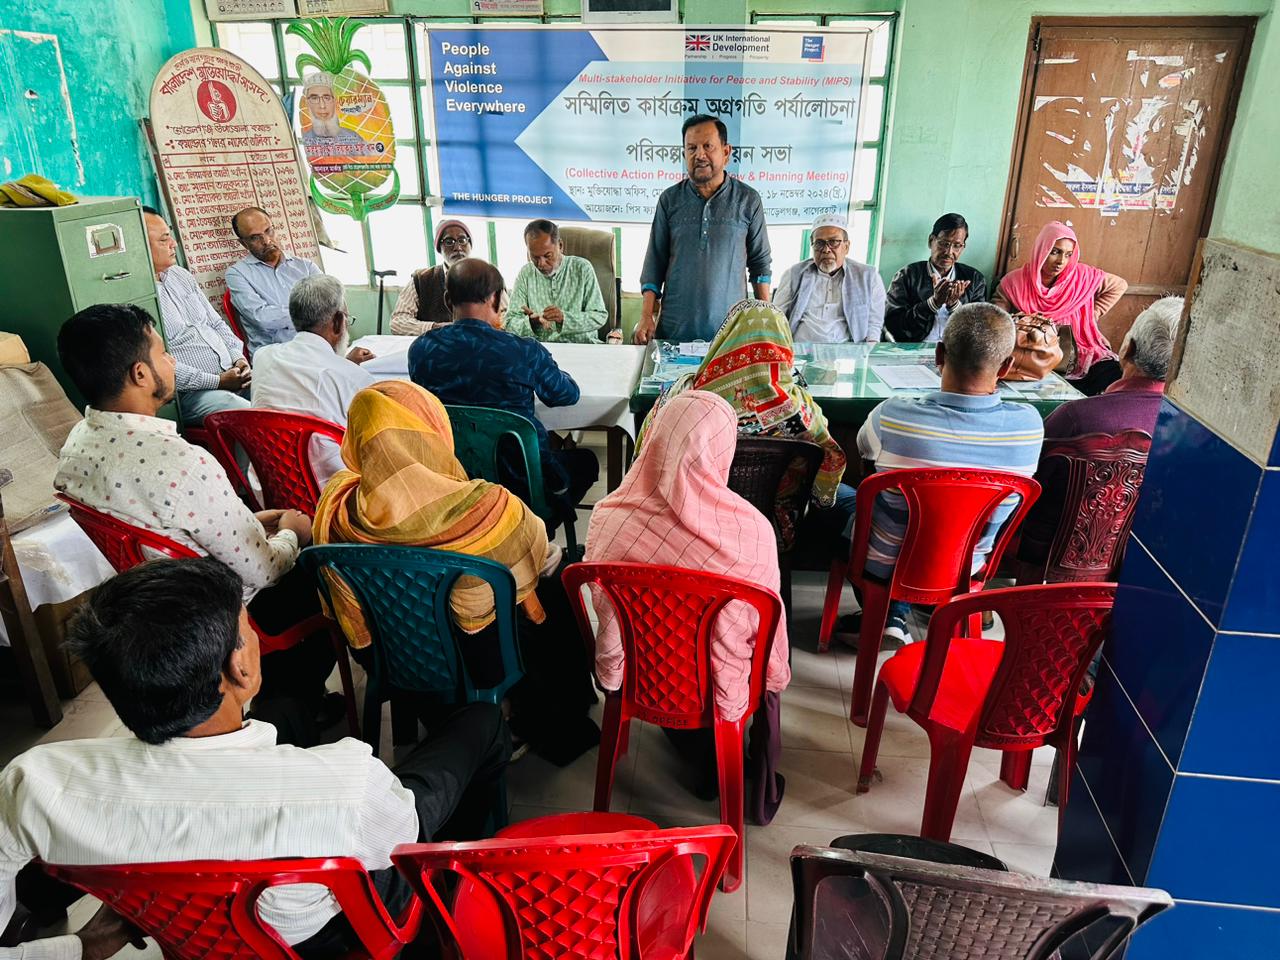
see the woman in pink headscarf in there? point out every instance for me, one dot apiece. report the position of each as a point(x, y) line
point(675, 508)
point(1055, 284)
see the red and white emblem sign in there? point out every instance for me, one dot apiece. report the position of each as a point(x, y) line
point(216, 101)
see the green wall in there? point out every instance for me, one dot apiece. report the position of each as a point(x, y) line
point(1248, 208)
point(110, 52)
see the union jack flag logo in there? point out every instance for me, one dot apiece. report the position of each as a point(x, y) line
point(696, 42)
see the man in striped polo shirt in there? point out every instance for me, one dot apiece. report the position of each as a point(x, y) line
point(965, 424)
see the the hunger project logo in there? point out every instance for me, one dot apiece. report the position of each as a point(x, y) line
point(811, 49)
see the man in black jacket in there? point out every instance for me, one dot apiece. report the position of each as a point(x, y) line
point(923, 294)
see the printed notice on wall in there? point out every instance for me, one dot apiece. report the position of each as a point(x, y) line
point(341, 8)
point(1223, 378)
point(249, 9)
point(223, 144)
point(584, 124)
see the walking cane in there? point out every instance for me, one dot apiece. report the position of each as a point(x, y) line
point(381, 275)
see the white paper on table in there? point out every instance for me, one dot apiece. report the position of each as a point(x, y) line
point(907, 376)
point(695, 348)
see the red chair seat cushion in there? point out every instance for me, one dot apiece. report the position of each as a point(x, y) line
point(971, 666)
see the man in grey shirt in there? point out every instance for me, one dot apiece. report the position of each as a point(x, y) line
point(708, 236)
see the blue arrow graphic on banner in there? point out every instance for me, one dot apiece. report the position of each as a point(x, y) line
point(488, 86)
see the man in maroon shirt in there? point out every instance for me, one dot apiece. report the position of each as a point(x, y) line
point(1131, 403)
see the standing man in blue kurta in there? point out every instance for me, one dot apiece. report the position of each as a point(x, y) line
point(708, 238)
point(260, 284)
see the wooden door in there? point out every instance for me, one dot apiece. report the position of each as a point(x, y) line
point(1122, 132)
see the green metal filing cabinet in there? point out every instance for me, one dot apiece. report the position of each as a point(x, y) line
point(55, 261)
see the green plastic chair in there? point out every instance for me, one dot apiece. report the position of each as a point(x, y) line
point(403, 593)
point(477, 436)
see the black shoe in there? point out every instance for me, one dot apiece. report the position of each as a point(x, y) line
point(333, 707)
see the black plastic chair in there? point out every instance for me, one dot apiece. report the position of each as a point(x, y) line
point(918, 848)
point(864, 906)
point(759, 466)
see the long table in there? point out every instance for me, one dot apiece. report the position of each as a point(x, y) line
point(848, 379)
point(606, 374)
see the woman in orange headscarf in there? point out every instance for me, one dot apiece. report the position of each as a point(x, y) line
point(403, 485)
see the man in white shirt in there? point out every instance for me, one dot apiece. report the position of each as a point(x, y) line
point(172, 649)
point(211, 372)
point(831, 298)
point(126, 461)
point(314, 373)
point(261, 282)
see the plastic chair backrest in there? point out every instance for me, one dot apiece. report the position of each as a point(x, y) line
point(598, 247)
point(233, 320)
point(120, 542)
point(948, 509)
point(278, 445)
point(759, 466)
point(1104, 478)
point(1051, 633)
point(573, 896)
point(864, 906)
point(477, 438)
point(665, 617)
point(403, 594)
point(208, 908)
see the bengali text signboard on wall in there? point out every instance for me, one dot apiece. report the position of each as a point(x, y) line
point(223, 144)
point(584, 124)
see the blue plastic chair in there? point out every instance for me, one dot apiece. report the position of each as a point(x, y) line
point(477, 437)
point(404, 595)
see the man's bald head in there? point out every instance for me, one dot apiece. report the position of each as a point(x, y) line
point(976, 349)
point(473, 288)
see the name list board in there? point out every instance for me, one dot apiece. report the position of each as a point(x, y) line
point(224, 144)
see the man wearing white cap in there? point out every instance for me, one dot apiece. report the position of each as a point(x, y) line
point(831, 298)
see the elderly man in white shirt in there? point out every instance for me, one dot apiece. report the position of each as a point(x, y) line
point(211, 372)
point(171, 647)
point(314, 373)
point(260, 283)
point(831, 298)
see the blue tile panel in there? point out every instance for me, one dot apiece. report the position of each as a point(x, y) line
point(1220, 842)
point(1253, 606)
point(1158, 648)
point(1195, 504)
point(1194, 931)
point(1127, 774)
point(1085, 851)
point(1233, 732)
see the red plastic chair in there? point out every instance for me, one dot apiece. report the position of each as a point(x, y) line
point(1087, 531)
point(197, 436)
point(208, 908)
point(125, 546)
point(588, 895)
point(233, 321)
point(1012, 696)
point(278, 445)
point(948, 509)
point(665, 615)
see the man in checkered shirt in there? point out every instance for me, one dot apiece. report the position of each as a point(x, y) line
point(212, 372)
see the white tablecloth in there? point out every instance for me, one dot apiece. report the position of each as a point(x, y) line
point(606, 373)
point(58, 562)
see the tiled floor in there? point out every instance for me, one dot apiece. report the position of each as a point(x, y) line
point(821, 750)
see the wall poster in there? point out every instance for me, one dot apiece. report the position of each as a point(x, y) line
point(584, 124)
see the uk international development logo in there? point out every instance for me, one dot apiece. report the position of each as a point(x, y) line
point(696, 43)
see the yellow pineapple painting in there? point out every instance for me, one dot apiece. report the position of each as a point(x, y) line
point(346, 123)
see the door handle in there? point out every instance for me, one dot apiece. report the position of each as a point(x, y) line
point(122, 275)
point(1013, 250)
